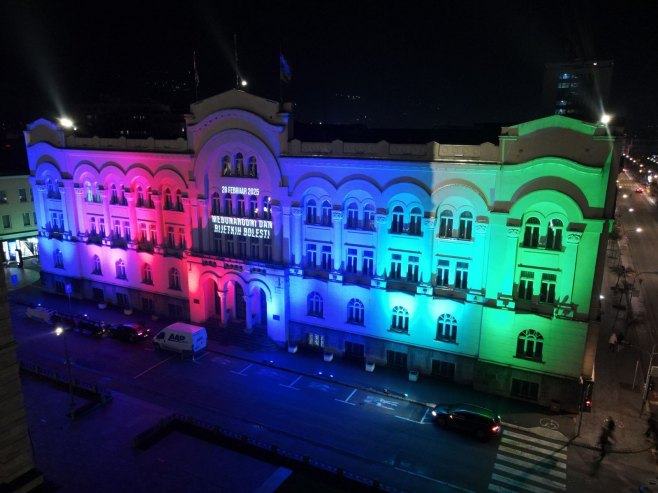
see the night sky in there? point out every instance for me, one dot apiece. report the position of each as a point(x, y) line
point(396, 64)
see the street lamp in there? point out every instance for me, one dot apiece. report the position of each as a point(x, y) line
point(59, 331)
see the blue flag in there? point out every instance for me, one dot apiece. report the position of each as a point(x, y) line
point(285, 72)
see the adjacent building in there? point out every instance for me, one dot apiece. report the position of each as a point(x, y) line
point(475, 263)
point(18, 227)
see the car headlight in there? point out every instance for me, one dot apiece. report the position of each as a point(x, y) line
point(433, 413)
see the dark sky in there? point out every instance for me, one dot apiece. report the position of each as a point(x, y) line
point(393, 63)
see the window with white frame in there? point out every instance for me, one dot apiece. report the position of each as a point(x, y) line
point(311, 255)
point(547, 288)
point(326, 257)
point(114, 195)
point(96, 265)
point(400, 319)
point(168, 202)
point(397, 224)
point(326, 213)
point(174, 279)
point(461, 275)
point(92, 225)
point(26, 219)
point(412, 268)
point(526, 285)
point(179, 201)
point(253, 206)
point(181, 237)
point(465, 226)
point(554, 235)
point(368, 262)
point(369, 217)
point(267, 208)
point(239, 164)
point(117, 228)
point(215, 207)
point(147, 275)
point(141, 200)
point(531, 233)
point(352, 216)
point(242, 246)
point(126, 230)
point(311, 212)
point(228, 204)
point(530, 345)
point(121, 269)
point(226, 166)
point(352, 260)
point(171, 237)
point(255, 248)
point(242, 211)
point(253, 167)
point(315, 304)
point(267, 249)
point(143, 233)
point(58, 259)
point(445, 224)
point(153, 233)
point(396, 266)
point(443, 272)
point(355, 311)
point(415, 218)
point(446, 328)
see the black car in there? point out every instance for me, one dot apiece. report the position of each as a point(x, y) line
point(91, 327)
point(476, 420)
point(129, 332)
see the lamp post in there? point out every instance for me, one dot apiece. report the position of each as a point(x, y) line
point(59, 331)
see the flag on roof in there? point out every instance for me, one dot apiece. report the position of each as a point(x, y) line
point(285, 72)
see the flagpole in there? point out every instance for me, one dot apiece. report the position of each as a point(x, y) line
point(237, 72)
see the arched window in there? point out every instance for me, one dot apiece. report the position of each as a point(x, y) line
point(530, 345)
point(369, 217)
point(147, 277)
point(531, 233)
point(58, 259)
point(415, 218)
point(326, 213)
point(226, 166)
point(311, 212)
point(400, 321)
point(124, 200)
point(446, 328)
point(445, 224)
point(215, 204)
point(174, 279)
point(398, 220)
point(101, 226)
point(315, 304)
point(53, 189)
point(141, 200)
point(253, 167)
point(168, 203)
point(239, 164)
point(120, 269)
point(465, 226)
point(89, 192)
point(114, 195)
point(267, 208)
point(352, 215)
point(92, 226)
point(96, 265)
point(554, 235)
point(355, 311)
point(143, 233)
point(149, 198)
point(253, 207)
point(241, 206)
point(179, 201)
point(228, 204)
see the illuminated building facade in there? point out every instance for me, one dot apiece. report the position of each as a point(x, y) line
point(479, 264)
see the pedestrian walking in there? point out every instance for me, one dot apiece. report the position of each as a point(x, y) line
point(605, 437)
point(652, 429)
point(613, 341)
point(620, 341)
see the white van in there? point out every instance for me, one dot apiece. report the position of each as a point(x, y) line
point(40, 313)
point(183, 338)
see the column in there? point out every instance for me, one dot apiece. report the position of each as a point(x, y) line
point(480, 231)
point(337, 222)
point(159, 226)
point(277, 237)
point(195, 226)
point(426, 264)
point(79, 206)
point(42, 190)
point(506, 268)
point(570, 263)
point(223, 296)
point(106, 212)
point(132, 214)
point(189, 222)
point(205, 230)
point(249, 323)
point(382, 244)
point(66, 227)
point(296, 239)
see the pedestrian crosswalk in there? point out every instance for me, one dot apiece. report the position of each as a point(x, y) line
point(527, 463)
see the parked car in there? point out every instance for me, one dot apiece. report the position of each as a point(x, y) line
point(91, 327)
point(40, 313)
point(468, 418)
point(63, 320)
point(639, 190)
point(131, 332)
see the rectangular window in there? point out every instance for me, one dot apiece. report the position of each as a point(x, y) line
point(22, 195)
point(217, 244)
point(255, 248)
point(525, 389)
point(175, 311)
point(526, 285)
point(242, 246)
point(3, 196)
point(326, 257)
point(352, 259)
point(547, 290)
point(368, 262)
point(6, 221)
point(171, 238)
point(396, 266)
point(26, 218)
point(122, 300)
point(442, 273)
point(443, 369)
point(181, 237)
point(311, 255)
point(147, 305)
point(315, 340)
point(60, 287)
point(267, 249)
point(461, 275)
point(230, 246)
point(396, 359)
point(412, 269)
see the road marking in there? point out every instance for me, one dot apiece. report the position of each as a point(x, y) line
point(528, 455)
point(558, 455)
point(535, 440)
point(518, 484)
point(534, 467)
point(438, 481)
point(290, 386)
point(241, 372)
point(526, 475)
point(348, 398)
point(154, 366)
